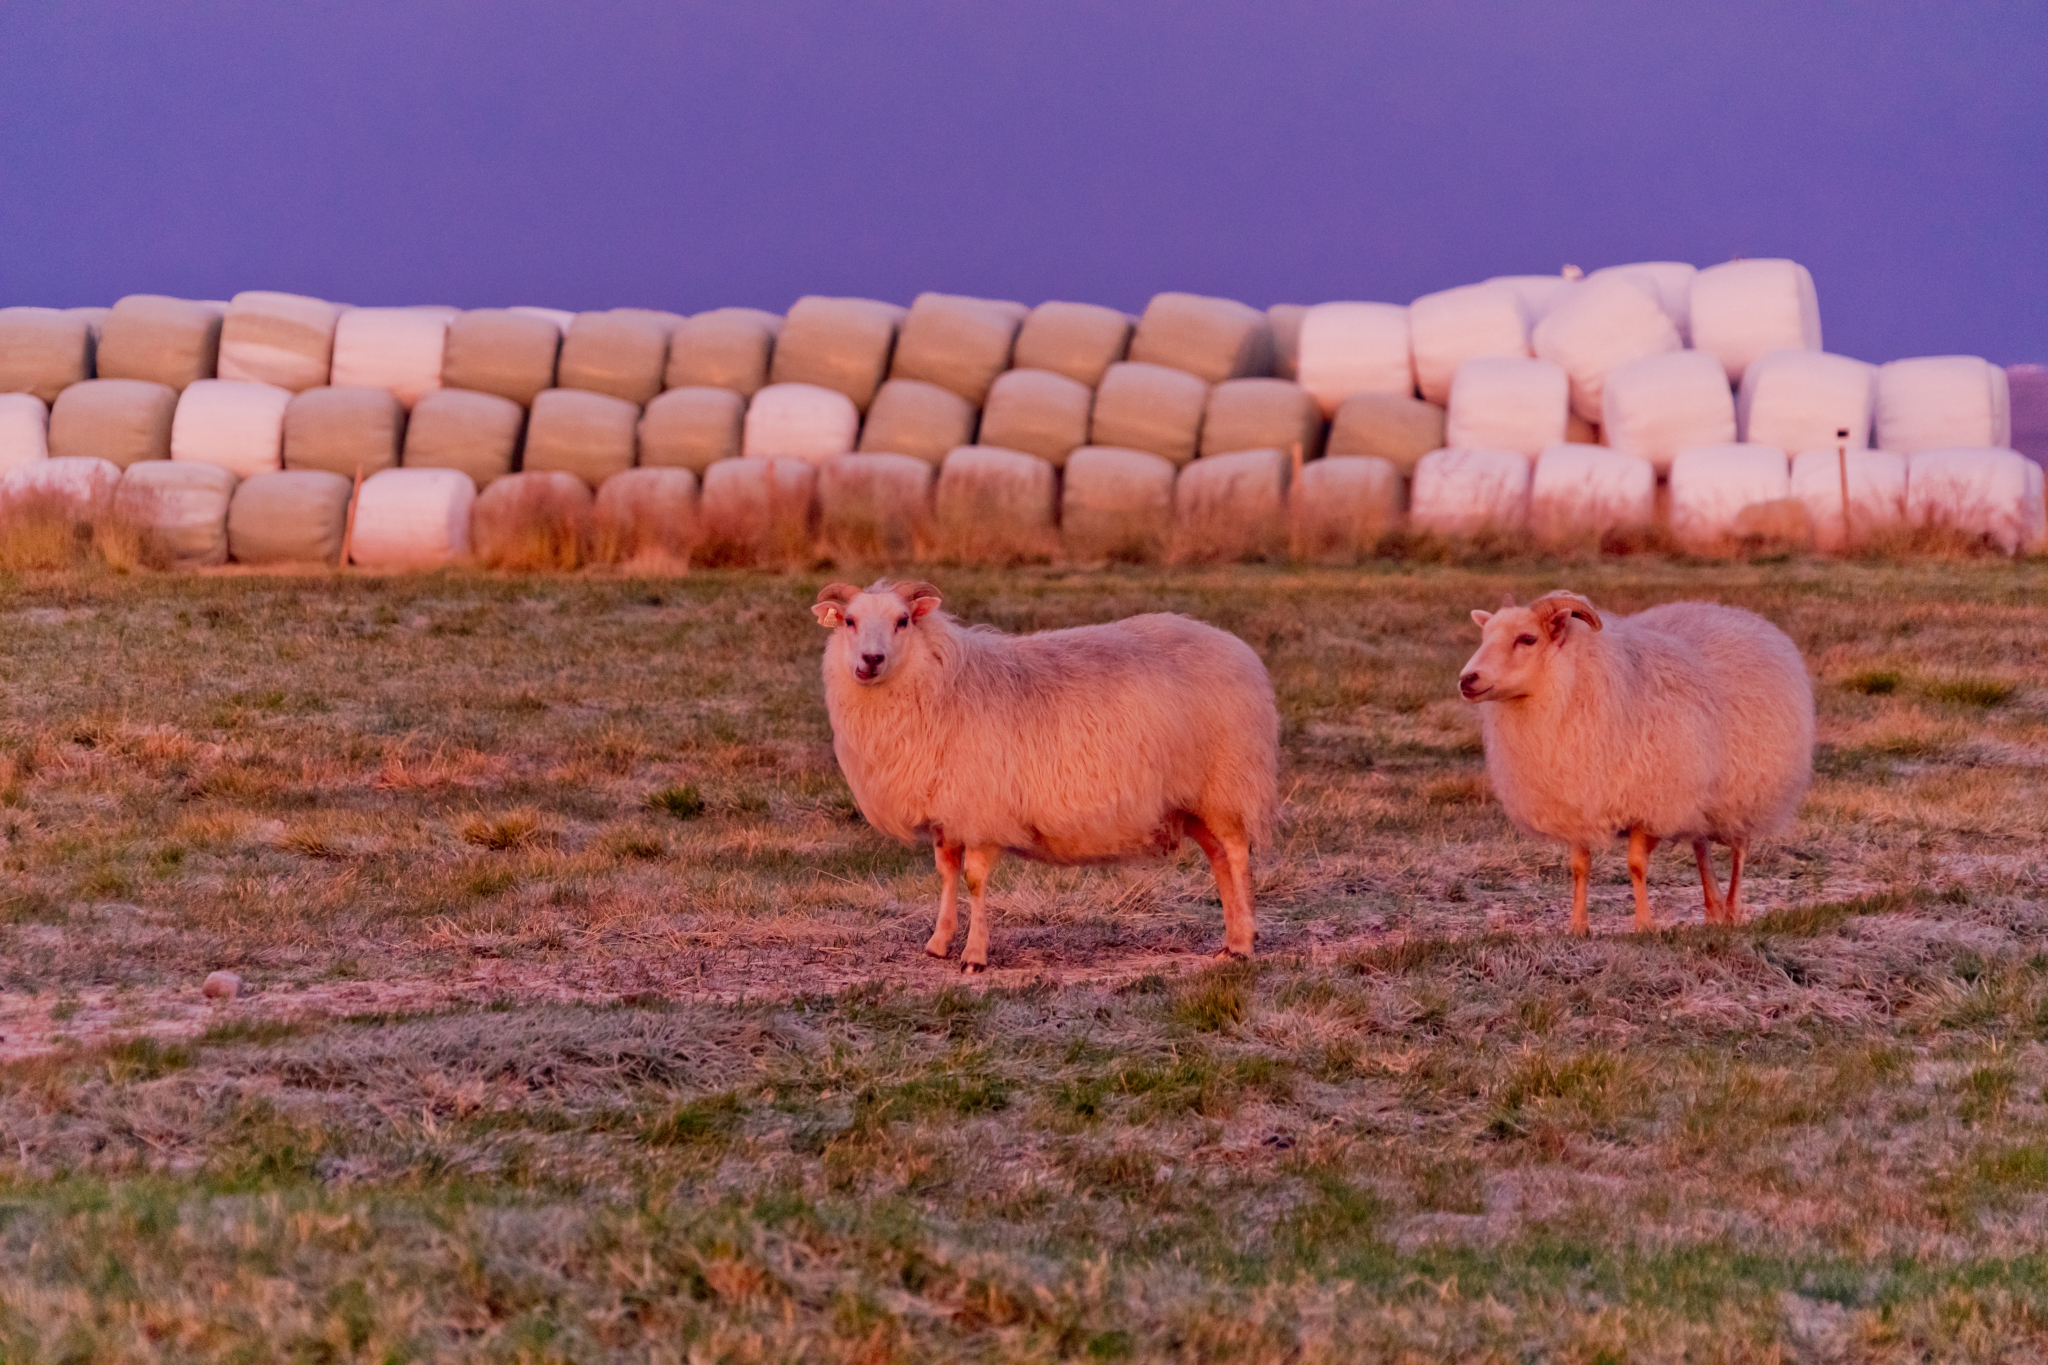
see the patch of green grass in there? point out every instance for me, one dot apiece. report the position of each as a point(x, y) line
point(1984, 692)
point(709, 1122)
point(682, 802)
point(1876, 682)
point(1216, 998)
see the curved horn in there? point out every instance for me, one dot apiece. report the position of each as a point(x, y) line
point(1568, 604)
point(842, 593)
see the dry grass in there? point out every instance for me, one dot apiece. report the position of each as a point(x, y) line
point(587, 1021)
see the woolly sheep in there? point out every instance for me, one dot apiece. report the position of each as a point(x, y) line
point(1096, 744)
point(1688, 721)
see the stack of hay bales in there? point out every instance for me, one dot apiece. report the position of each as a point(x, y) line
point(1353, 348)
point(800, 421)
point(292, 516)
point(122, 420)
point(1581, 490)
point(581, 432)
point(237, 424)
point(1981, 491)
point(412, 519)
point(960, 344)
point(622, 354)
point(917, 418)
point(840, 344)
point(726, 348)
point(1341, 507)
point(469, 430)
point(1599, 326)
point(24, 430)
point(160, 340)
point(1038, 412)
point(1802, 400)
point(1078, 340)
point(1231, 508)
point(1877, 493)
point(501, 351)
point(43, 351)
point(1507, 403)
point(1657, 406)
point(286, 340)
point(346, 431)
point(1209, 338)
point(532, 520)
point(1471, 322)
point(1116, 505)
point(1386, 426)
point(1467, 492)
point(759, 510)
point(1260, 414)
point(875, 508)
point(1942, 402)
point(1744, 309)
point(397, 349)
point(180, 509)
point(692, 428)
point(646, 518)
point(996, 506)
point(1155, 408)
point(1713, 487)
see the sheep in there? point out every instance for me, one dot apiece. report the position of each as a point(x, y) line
point(1687, 721)
point(1097, 744)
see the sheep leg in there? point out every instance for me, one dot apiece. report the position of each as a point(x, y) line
point(979, 863)
point(1707, 886)
point(1582, 872)
point(1641, 844)
point(1230, 862)
point(1733, 913)
point(941, 941)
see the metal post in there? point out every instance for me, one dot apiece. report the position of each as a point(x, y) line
point(1842, 463)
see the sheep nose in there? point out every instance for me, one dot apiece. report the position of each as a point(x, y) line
point(1469, 682)
point(872, 662)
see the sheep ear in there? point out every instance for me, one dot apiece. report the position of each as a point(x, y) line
point(1480, 618)
point(828, 614)
point(922, 597)
point(830, 608)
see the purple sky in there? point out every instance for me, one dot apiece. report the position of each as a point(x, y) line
point(686, 156)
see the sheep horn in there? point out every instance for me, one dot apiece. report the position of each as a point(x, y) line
point(915, 592)
point(842, 593)
point(1569, 603)
point(1507, 599)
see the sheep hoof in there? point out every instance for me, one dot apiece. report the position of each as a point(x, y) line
point(973, 968)
point(1231, 955)
point(938, 952)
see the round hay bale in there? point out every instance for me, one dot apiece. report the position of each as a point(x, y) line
point(1211, 339)
point(1877, 491)
point(1149, 407)
point(477, 433)
point(412, 519)
point(80, 486)
point(1285, 320)
point(726, 348)
point(1079, 341)
point(1466, 492)
point(2027, 404)
point(501, 351)
point(292, 516)
point(281, 339)
point(1340, 507)
point(561, 317)
point(237, 424)
point(1038, 412)
point(621, 354)
point(1231, 508)
point(692, 428)
point(1741, 309)
point(1599, 326)
point(159, 339)
point(345, 431)
point(1799, 400)
point(397, 349)
point(534, 520)
point(758, 511)
point(1581, 491)
point(122, 420)
point(1711, 485)
point(801, 422)
point(960, 344)
point(1662, 404)
point(1942, 402)
point(1670, 281)
point(1500, 403)
point(1386, 426)
point(1538, 294)
point(1261, 414)
point(24, 430)
point(916, 418)
point(995, 506)
point(1349, 348)
point(838, 344)
point(43, 351)
point(646, 517)
point(1116, 505)
point(181, 510)
point(1984, 492)
point(588, 434)
point(1471, 322)
point(875, 509)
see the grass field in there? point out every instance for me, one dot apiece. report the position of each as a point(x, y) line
point(586, 1021)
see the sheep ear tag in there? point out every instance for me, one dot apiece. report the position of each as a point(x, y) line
point(828, 615)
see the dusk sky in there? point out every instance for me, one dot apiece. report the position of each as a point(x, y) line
point(688, 156)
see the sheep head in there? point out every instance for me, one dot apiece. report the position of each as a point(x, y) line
point(873, 626)
point(1517, 644)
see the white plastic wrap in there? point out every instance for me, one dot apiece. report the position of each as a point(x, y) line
point(1671, 281)
point(1877, 493)
point(996, 506)
point(1462, 491)
point(1231, 507)
point(398, 349)
point(82, 484)
point(1798, 400)
point(1743, 309)
point(1580, 490)
point(1537, 294)
point(1505, 404)
point(1340, 507)
point(1710, 485)
point(800, 421)
point(24, 430)
point(281, 339)
point(1349, 348)
point(1655, 407)
point(1599, 326)
point(236, 424)
point(181, 508)
point(1942, 402)
point(1471, 322)
point(412, 519)
point(1984, 491)
point(1116, 504)
point(875, 508)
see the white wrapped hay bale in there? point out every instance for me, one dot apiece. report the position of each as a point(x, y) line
point(1341, 507)
point(758, 511)
point(412, 519)
point(1598, 327)
point(1712, 485)
point(1587, 490)
point(806, 422)
point(501, 351)
point(622, 354)
point(1670, 281)
point(1116, 505)
point(875, 509)
point(1349, 348)
point(43, 351)
point(121, 420)
point(563, 318)
point(576, 431)
point(1981, 491)
point(1231, 508)
point(24, 430)
point(1800, 400)
point(646, 517)
point(397, 349)
point(181, 509)
point(476, 433)
point(1386, 426)
point(1039, 413)
point(1285, 320)
point(77, 489)
point(1877, 493)
point(2027, 408)
point(1261, 414)
point(692, 428)
point(838, 344)
point(994, 506)
point(1657, 406)
point(1149, 407)
point(960, 344)
point(1942, 402)
point(1078, 340)
point(345, 431)
point(1538, 294)
point(281, 339)
point(726, 348)
point(1471, 322)
point(234, 423)
point(533, 520)
point(1211, 339)
point(292, 516)
point(1463, 492)
point(1741, 309)
point(1504, 403)
point(160, 339)
point(916, 418)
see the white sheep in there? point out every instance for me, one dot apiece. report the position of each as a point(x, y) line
point(1092, 745)
point(1687, 721)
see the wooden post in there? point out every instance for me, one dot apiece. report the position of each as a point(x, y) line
point(348, 526)
point(1842, 464)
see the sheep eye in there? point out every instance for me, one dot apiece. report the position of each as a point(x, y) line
point(851, 623)
point(902, 621)
point(1525, 639)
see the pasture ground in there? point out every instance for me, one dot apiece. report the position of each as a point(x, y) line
point(586, 1021)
